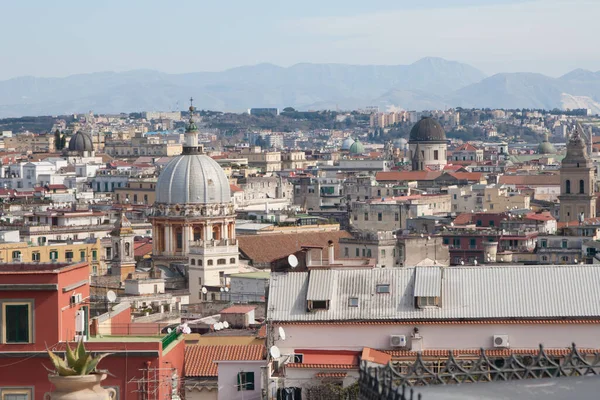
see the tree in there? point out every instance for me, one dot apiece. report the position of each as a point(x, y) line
point(57, 140)
point(289, 109)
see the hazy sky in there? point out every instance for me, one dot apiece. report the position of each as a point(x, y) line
point(63, 37)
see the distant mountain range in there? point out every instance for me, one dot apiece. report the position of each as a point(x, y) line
point(429, 83)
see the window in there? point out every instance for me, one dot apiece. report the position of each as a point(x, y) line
point(221, 261)
point(353, 302)
point(472, 243)
point(382, 288)
point(209, 262)
point(193, 261)
point(69, 255)
point(346, 252)
point(232, 260)
point(127, 249)
point(16, 394)
point(544, 243)
point(456, 242)
point(35, 256)
point(564, 244)
point(82, 255)
point(544, 258)
point(397, 217)
point(478, 223)
point(179, 238)
point(94, 255)
point(369, 253)
point(245, 381)
point(298, 358)
point(355, 217)
point(213, 296)
point(199, 262)
point(16, 256)
point(17, 322)
point(382, 252)
point(318, 304)
point(436, 155)
point(366, 216)
point(446, 241)
point(427, 301)
point(568, 186)
point(357, 252)
point(581, 187)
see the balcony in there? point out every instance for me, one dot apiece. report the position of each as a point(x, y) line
point(213, 246)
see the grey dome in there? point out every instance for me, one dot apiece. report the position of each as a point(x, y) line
point(193, 179)
point(427, 130)
point(546, 147)
point(347, 143)
point(81, 142)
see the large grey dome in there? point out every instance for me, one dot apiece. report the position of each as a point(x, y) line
point(427, 130)
point(347, 143)
point(192, 179)
point(81, 142)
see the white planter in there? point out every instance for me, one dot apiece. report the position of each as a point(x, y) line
point(79, 387)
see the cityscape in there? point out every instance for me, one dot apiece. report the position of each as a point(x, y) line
point(422, 230)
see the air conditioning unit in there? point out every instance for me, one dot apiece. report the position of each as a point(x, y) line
point(397, 340)
point(501, 341)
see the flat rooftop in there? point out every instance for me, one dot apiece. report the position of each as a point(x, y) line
point(34, 267)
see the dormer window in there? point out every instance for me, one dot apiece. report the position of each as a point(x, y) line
point(315, 305)
point(383, 288)
point(353, 302)
point(428, 301)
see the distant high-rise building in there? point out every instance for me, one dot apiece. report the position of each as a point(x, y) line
point(263, 111)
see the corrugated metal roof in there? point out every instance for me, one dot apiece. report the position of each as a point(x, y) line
point(428, 282)
point(512, 291)
point(321, 285)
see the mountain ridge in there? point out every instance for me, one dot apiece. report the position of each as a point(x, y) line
point(431, 82)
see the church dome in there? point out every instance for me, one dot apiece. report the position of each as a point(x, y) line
point(193, 179)
point(357, 147)
point(347, 143)
point(81, 142)
point(427, 130)
point(546, 147)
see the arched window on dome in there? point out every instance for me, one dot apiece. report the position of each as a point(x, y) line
point(581, 187)
point(197, 233)
point(568, 186)
point(179, 238)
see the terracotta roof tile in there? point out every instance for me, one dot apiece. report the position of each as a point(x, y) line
point(267, 248)
point(200, 360)
point(407, 176)
point(235, 188)
point(322, 366)
point(375, 356)
point(530, 180)
point(331, 374)
point(463, 219)
point(489, 353)
point(466, 147)
point(142, 250)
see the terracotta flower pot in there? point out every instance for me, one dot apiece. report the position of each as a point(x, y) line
point(79, 387)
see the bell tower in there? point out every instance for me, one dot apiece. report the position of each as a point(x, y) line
point(577, 180)
point(123, 261)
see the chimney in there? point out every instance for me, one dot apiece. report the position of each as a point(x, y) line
point(331, 250)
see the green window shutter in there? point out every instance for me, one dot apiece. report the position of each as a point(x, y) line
point(17, 323)
point(249, 380)
point(239, 381)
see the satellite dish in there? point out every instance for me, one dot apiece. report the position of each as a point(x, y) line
point(275, 352)
point(204, 290)
point(226, 289)
point(169, 330)
point(475, 262)
point(225, 324)
point(222, 290)
point(281, 333)
point(462, 263)
point(292, 261)
point(111, 296)
point(451, 223)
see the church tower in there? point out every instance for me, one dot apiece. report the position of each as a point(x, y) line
point(123, 261)
point(577, 200)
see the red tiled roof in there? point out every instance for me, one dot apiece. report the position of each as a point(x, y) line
point(466, 176)
point(262, 332)
point(375, 356)
point(267, 248)
point(235, 188)
point(463, 219)
point(200, 360)
point(331, 374)
point(489, 353)
point(322, 366)
point(58, 186)
point(466, 147)
point(454, 167)
point(142, 250)
point(238, 309)
point(544, 216)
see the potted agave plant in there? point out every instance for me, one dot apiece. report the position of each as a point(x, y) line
point(76, 377)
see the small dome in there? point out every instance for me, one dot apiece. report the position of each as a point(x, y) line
point(347, 143)
point(427, 130)
point(401, 143)
point(193, 179)
point(546, 147)
point(357, 147)
point(81, 142)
